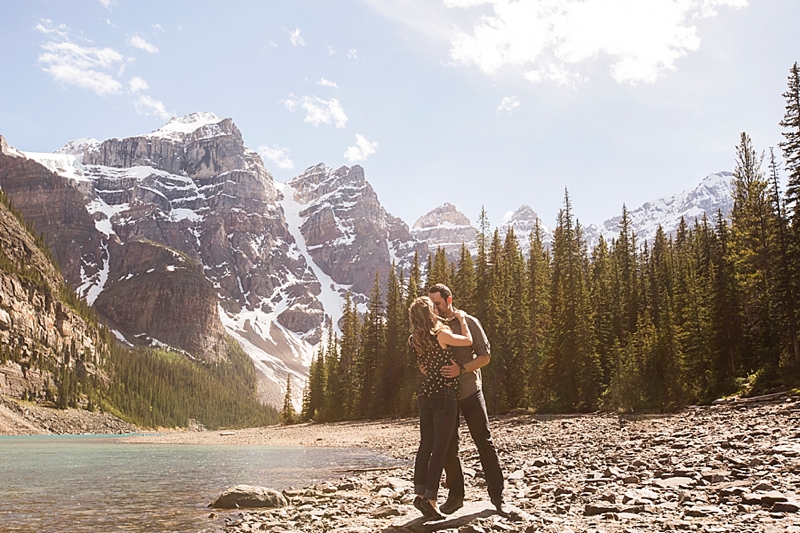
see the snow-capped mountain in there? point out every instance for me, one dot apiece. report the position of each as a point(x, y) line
point(712, 194)
point(180, 235)
point(445, 227)
point(523, 220)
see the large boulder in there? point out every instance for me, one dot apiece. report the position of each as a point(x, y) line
point(249, 496)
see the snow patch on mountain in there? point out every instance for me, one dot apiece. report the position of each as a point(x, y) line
point(331, 296)
point(179, 127)
point(63, 164)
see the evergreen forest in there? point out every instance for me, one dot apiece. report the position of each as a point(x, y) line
point(709, 311)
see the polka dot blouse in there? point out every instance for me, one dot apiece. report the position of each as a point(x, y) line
point(432, 359)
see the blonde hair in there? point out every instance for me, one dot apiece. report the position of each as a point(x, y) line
point(423, 323)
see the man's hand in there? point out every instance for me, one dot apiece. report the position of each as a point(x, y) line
point(422, 369)
point(452, 370)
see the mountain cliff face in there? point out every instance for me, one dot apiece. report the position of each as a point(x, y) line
point(345, 230)
point(37, 326)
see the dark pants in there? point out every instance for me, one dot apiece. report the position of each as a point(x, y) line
point(474, 410)
point(437, 415)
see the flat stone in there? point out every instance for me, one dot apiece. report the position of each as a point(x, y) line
point(773, 496)
point(397, 483)
point(784, 507)
point(593, 509)
point(675, 482)
point(385, 512)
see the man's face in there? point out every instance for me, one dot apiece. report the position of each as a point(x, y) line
point(442, 307)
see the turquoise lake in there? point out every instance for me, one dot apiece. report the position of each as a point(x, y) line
point(94, 484)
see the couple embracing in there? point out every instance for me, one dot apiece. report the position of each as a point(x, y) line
point(451, 347)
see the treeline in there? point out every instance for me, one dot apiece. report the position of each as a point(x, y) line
point(156, 388)
point(710, 311)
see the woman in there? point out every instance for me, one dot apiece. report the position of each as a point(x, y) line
point(436, 398)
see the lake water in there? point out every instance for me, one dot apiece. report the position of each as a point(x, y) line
point(93, 484)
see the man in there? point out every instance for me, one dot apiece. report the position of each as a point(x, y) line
point(468, 360)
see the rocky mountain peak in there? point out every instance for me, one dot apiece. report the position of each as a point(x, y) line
point(713, 193)
point(445, 227)
point(77, 147)
point(180, 126)
point(444, 214)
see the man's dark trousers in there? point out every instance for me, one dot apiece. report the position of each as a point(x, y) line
point(473, 408)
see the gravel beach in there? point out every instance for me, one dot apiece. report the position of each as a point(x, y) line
point(730, 467)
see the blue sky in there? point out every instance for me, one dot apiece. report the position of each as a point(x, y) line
point(491, 103)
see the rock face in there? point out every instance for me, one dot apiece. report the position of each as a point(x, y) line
point(447, 227)
point(347, 232)
point(35, 320)
point(166, 284)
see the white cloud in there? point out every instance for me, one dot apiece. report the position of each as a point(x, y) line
point(107, 3)
point(318, 111)
point(361, 151)
point(140, 43)
point(550, 39)
point(331, 50)
point(508, 103)
point(48, 27)
point(327, 83)
point(278, 155)
point(148, 106)
point(137, 85)
point(158, 27)
point(81, 66)
point(352, 54)
point(295, 38)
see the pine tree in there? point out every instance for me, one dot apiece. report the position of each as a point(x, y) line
point(464, 285)
point(439, 269)
point(572, 367)
point(287, 413)
point(538, 275)
point(783, 269)
point(373, 339)
point(392, 366)
point(791, 145)
point(606, 343)
point(750, 254)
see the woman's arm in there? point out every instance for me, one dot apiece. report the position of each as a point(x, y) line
point(447, 338)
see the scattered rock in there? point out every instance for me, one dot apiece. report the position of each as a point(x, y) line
point(249, 496)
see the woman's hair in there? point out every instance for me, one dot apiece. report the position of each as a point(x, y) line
point(423, 323)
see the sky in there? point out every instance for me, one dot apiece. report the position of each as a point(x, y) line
point(480, 103)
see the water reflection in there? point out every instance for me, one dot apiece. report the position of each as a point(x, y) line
point(91, 483)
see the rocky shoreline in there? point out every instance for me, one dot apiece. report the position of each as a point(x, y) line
point(731, 467)
point(28, 418)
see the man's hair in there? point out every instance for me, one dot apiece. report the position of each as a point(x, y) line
point(443, 290)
